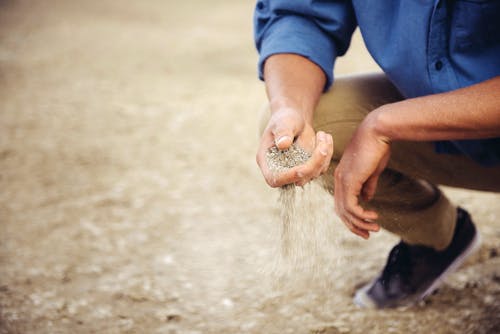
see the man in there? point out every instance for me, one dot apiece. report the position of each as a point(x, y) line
point(432, 118)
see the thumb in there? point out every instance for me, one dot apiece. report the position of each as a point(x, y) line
point(370, 187)
point(283, 137)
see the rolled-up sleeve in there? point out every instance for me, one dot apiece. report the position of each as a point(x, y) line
point(319, 30)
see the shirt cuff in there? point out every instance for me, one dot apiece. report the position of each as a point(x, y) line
point(298, 35)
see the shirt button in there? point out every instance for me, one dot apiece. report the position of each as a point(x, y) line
point(438, 65)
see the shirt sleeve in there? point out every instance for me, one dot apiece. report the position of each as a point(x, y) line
point(318, 30)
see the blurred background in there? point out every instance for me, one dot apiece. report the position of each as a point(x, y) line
point(130, 201)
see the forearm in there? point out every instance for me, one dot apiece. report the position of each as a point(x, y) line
point(293, 82)
point(294, 85)
point(468, 113)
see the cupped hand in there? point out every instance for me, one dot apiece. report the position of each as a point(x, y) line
point(286, 126)
point(356, 176)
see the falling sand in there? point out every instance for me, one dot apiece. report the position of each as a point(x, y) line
point(306, 213)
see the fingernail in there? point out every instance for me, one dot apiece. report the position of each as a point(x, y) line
point(323, 151)
point(299, 174)
point(282, 139)
point(322, 136)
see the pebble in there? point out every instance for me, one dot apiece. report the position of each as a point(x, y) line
point(173, 317)
point(489, 300)
point(168, 259)
point(227, 303)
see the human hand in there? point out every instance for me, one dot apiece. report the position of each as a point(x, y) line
point(364, 159)
point(285, 126)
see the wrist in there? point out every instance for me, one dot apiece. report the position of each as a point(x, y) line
point(290, 104)
point(377, 123)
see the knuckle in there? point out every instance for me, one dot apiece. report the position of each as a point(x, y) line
point(318, 163)
point(354, 222)
point(363, 225)
point(307, 171)
point(349, 210)
point(346, 178)
point(337, 174)
point(272, 182)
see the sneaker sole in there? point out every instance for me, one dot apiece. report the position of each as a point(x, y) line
point(362, 299)
point(471, 249)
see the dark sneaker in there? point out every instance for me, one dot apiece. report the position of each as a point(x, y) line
point(414, 272)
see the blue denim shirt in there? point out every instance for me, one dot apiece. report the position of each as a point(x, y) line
point(424, 46)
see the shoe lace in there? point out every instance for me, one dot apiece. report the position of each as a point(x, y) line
point(398, 264)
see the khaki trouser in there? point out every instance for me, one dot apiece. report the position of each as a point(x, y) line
point(407, 200)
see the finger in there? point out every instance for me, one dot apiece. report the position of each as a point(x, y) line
point(362, 233)
point(348, 191)
point(362, 224)
point(314, 166)
point(345, 219)
point(351, 205)
point(285, 124)
point(337, 195)
point(357, 226)
point(301, 178)
point(328, 160)
point(322, 143)
point(289, 176)
point(281, 178)
point(370, 187)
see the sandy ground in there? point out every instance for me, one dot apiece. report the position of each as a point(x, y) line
point(129, 197)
